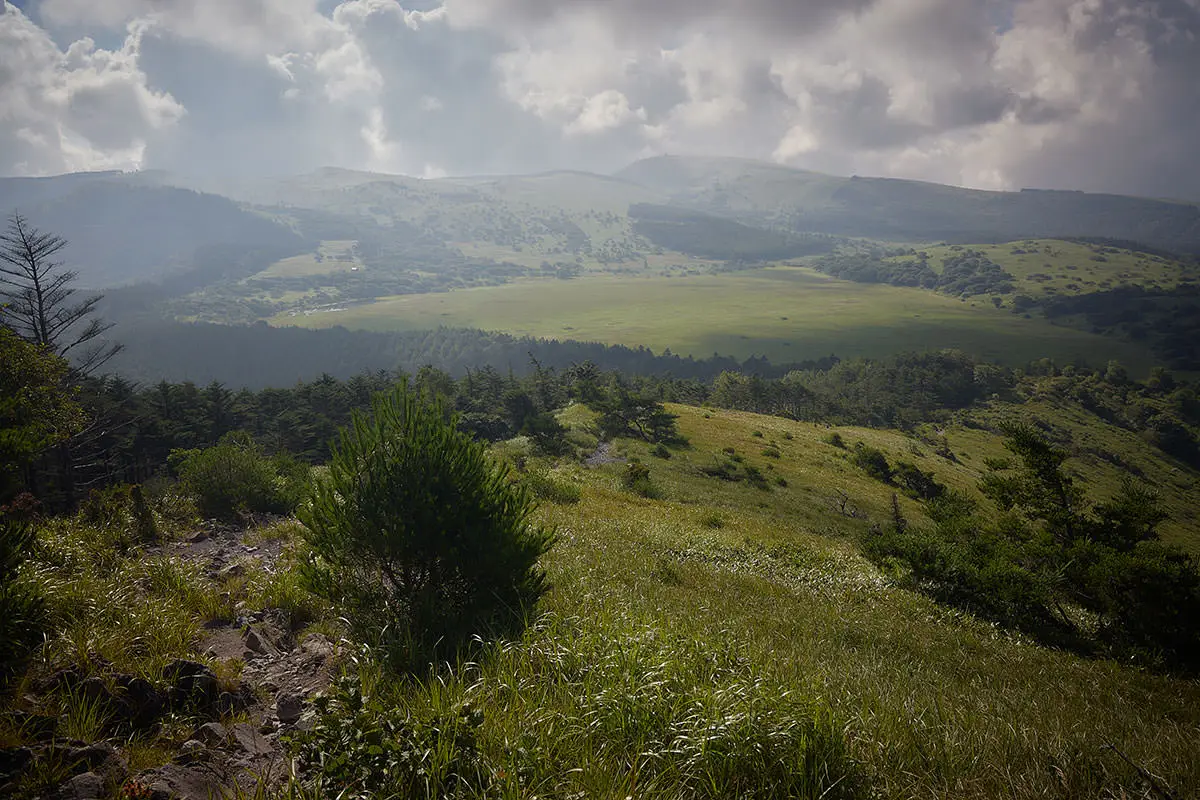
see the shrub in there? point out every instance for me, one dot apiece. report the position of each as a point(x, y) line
point(660, 451)
point(21, 606)
point(122, 506)
point(417, 533)
point(836, 440)
point(236, 476)
point(917, 483)
point(872, 461)
point(546, 486)
point(771, 451)
point(636, 479)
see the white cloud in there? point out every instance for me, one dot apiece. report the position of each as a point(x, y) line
point(85, 108)
point(1098, 94)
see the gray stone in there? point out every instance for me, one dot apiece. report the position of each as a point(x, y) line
point(289, 707)
point(99, 757)
point(87, 786)
point(255, 642)
point(234, 570)
point(250, 740)
point(317, 645)
point(191, 751)
point(212, 734)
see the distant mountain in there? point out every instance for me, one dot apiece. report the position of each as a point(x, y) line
point(126, 228)
point(769, 194)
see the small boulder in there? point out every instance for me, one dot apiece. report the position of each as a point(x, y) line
point(86, 786)
point(212, 734)
point(141, 703)
point(250, 740)
point(257, 642)
point(98, 757)
point(317, 645)
point(234, 570)
point(191, 751)
point(192, 684)
point(289, 707)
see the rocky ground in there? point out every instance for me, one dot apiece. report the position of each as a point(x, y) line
point(259, 692)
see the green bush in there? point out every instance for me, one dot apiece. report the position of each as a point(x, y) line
point(362, 748)
point(21, 606)
point(546, 486)
point(1095, 578)
point(872, 461)
point(417, 535)
point(636, 479)
point(236, 476)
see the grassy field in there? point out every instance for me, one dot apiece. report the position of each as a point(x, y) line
point(331, 256)
point(720, 640)
point(933, 703)
point(784, 313)
point(1054, 266)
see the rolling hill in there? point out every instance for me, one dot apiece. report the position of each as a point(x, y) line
point(904, 210)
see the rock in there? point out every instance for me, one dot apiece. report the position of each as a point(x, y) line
point(250, 740)
point(192, 751)
point(212, 734)
point(96, 691)
point(88, 786)
point(317, 645)
point(234, 570)
point(288, 708)
point(195, 537)
point(15, 759)
point(268, 726)
point(160, 791)
point(193, 684)
point(257, 642)
point(141, 703)
point(95, 758)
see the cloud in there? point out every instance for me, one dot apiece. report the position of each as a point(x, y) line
point(1095, 94)
point(82, 108)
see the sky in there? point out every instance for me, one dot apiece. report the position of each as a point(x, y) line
point(1100, 95)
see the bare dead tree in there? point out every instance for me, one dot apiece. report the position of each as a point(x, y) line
point(37, 298)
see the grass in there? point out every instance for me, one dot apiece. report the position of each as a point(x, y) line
point(1054, 266)
point(785, 313)
point(721, 640)
point(331, 257)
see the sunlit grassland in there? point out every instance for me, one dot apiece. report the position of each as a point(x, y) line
point(330, 257)
point(1054, 266)
point(533, 257)
point(784, 313)
point(933, 703)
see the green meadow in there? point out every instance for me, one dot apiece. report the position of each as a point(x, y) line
point(784, 313)
point(1055, 266)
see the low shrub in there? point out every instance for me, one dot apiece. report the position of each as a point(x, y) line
point(636, 479)
point(872, 461)
point(418, 535)
point(547, 486)
point(235, 476)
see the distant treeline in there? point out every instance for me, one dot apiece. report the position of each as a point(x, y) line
point(140, 426)
point(259, 355)
point(719, 238)
point(963, 274)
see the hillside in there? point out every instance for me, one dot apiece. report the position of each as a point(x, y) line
point(123, 230)
point(901, 210)
point(708, 633)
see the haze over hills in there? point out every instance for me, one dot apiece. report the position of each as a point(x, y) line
point(135, 226)
point(379, 251)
